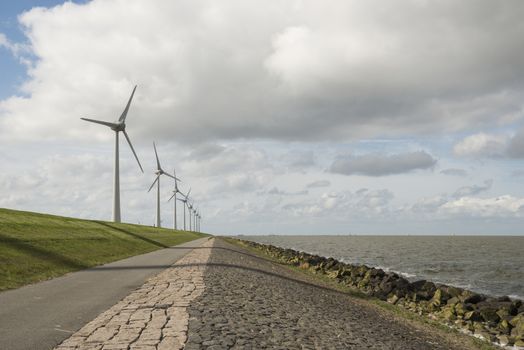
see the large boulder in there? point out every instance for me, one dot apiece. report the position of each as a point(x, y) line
point(469, 297)
point(473, 316)
point(518, 326)
point(489, 315)
point(440, 297)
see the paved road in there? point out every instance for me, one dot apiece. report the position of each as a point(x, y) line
point(251, 303)
point(42, 315)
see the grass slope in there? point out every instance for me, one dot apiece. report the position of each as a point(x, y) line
point(36, 247)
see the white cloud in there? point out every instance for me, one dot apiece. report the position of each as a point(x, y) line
point(502, 206)
point(380, 164)
point(490, 145)
point(482, 145)
point(287, 71)
point(216, 80)
point(473, 190)
point(516, 145)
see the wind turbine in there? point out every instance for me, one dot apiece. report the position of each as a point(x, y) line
point(195, 214)
point(184, 200)
point(119, 125)
point(190, 210)
point(175, 191)
point(159, 172)
point(196, 220)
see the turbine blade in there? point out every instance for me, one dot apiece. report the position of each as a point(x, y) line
point(176, 178)
point(173, 177)
point(188, 192)
point(157, 161)
point(132, 149)
point(124, 113)
point(111, 125)
point(154, 182)
point(169, 200)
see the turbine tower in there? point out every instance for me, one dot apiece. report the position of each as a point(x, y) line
point(118, 126)
point(190, 210)
point(159, 172)
point(175, 191)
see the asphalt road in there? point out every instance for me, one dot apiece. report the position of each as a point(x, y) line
point(41, 315)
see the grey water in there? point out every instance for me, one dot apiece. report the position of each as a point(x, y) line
point(492, 265)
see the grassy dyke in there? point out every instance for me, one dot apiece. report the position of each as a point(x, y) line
point(36, 247)
point(415, 320)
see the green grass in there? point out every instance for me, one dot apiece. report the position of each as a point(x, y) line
point(35, 247)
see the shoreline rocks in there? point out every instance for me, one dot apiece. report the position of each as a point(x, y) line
point(496, 319)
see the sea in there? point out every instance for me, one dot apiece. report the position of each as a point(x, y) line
point(492, 265)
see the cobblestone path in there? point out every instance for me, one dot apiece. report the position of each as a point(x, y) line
point(153, 317)
point(251, 303)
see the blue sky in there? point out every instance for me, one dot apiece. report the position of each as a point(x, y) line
point(293, 118)
point(13, 72)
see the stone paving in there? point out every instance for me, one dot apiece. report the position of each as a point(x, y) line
point(252, 303)
point(154, 316)
point(220, 296)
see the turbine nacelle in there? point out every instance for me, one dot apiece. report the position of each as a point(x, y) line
point(119, 127)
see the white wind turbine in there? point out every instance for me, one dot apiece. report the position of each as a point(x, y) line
point(119, 125)
point(175, 191)
point(195, 215)
point(159, 171)
point(184, 200)
point(190, 211)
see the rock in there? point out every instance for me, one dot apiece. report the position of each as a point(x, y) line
point(386, 287)
point(460, 309)
point(393, 299)
point(504, 340)
point(437, 299)
point(401, 287)
point(473, 316)
point(518, 328)
point(504, 327)
point(453, 301)
point(485, 334)
point(489, 315)
point(304, 266)
point(449, 314)
point(473, 298)
point(517, 319)
point(451, 291)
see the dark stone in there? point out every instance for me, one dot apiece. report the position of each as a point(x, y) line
point(490, 315)
point(473, 316)
point(474, 298)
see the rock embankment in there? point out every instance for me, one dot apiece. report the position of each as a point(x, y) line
point(499, 320)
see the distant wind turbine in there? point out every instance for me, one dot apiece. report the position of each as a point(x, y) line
point(190, 211)
point(119, 125)
point(195, 214)
point(184, 200)
point(175, 191)
point(159, 172)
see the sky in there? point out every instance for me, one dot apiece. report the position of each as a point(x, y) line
point(289, 117)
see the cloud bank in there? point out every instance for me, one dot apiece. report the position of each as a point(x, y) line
point(286, 71)
point(381, 164)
